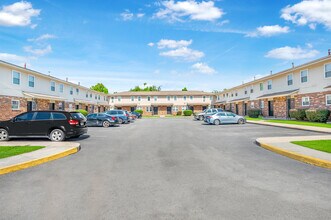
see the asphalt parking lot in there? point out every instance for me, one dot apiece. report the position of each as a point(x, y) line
point(170, 169)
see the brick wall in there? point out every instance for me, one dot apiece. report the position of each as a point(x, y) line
point(317, 100)
point(6, 111)
point(280, 107)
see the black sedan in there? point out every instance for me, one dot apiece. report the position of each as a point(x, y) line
point(101, 119)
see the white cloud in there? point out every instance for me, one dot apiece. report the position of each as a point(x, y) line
point(292, 53)
point(184, 53)
point(203, 68)
point(13, 58)
point(38, 52)
point(309, 12)
point(140, 15)
point(18, 14)
point(151, 44)
point(127, 15)
point(42, 37)
point(165, 43)
point(268, 31)
point(191, 9)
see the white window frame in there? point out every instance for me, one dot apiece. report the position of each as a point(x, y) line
point(252, 104)
point(34, 81)
point(191, 97)
point(71, 92)
point(184, 97)
point(301, 75)
point(326, 99)
point(148, 98)
point(203, 98)
point(61, 88)
point(325, 70)
point(18, 105)
point(261, 104)
point(54, 86)
point(12, 77)
point(261, 86)
point(287, 79)
point(175, 98)
point(155, 98)
point(139, 99)
point(168, 97)
point(132, 98)
point(251, 89)
point(302, 101)
point(269, 84)
point(77, 91)
point(184, 108)
point(119, 98)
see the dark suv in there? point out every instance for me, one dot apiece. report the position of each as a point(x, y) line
point(56, 125)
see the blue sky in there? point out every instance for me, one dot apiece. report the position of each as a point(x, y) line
point(203, 45)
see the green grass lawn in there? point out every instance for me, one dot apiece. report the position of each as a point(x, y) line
point(305, 123)
point(9, 151)
point(321, 145)
point(253, 119)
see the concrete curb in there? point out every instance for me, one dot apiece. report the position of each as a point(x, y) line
point(304, 128)
point(32, 163)
point(296, 156)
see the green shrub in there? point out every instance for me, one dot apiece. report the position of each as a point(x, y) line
point(139, 111)
point(188, 112)
point(317, 115)
point(82, 111)
point(298, 114)
point(254, 113)
point(179, 113)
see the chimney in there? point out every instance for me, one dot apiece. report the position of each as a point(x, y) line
point(79, 83)
point(67, 79)
point(270, 72)
point(292, 65)
point(24, 65)
point(329, 52)
point(254, 77)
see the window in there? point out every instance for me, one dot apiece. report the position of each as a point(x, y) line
point(328, 70)
point(269, 84)
point(139, 108)
point(149, 109)
point(168, 98)
point(252, 89)
point(53, 86)
point(31, 81)
point(15, 105)
point(184, 98)
point(91, 95)
point(43, 116)
point(183, 107)
point(86, 95)
point(219, 98)
point(119, 98)
point(95, 97)
point(155, 98)
point(246, 91)
point(328, 100)
point(71, 91)
point(175, 98)
point(261, 104)
point(304, 76)
point(289, 79)
point(252, 104)
point(139, 98)
point(77, 91)
point(58, 116)
point(148, 98)
point(112, 99)
point(236, 94)
point(204, 98)
point(191, 97)
point(25, 117)
point(261, 86)
point(175, 108)
point(98, 97)
point(16, 78)
point(221, 114)
point(61, 104)
point(61, 88)
point(132, 98)
point(232, 95)
point(305, 101)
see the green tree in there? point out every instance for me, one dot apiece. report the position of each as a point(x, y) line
point(146, 88)
point(184, 89)
point(100, 88)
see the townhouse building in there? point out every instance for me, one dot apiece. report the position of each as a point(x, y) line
point(307, 86)
point(161, 102)
point(24, 90)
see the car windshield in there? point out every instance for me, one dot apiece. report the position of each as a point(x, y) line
point(77, 115)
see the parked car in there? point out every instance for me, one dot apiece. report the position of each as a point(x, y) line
point(137, 114)
point(120, 114)
point(101, 119)
point(56, 125)
point(201, 116)
point(225, 118)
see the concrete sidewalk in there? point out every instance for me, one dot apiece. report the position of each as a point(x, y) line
point(282, 145)
point(52, 151)
point(300, 127)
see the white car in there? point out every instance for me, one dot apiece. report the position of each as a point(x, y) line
point(225, 118)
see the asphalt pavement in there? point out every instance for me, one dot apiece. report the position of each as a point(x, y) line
point(170, 169)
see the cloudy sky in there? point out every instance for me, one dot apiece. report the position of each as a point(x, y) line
point(205, 45)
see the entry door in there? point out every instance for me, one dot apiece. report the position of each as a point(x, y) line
point(169, 110)
point(155, 110)
point(245, 109)
point(204, 108)
point(271, 108)
point(133, 109)
point(29, 106)
point(99, 109)
point(289, 106)
point(237, 110)
point(51, 106)
point(191, 108)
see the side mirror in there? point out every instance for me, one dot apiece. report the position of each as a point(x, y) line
point(13, 119)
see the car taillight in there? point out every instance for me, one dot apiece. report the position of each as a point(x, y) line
point(73, 122)
point(113, 118)
point(208, 117)
point(127, 115)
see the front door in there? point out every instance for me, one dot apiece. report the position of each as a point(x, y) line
point(51, 106)
point(271, 108)
point(245, 109)
point(204, 108)
point(289, 101)
point(237, 109)
point(169, 110)
point(155, 110)
point(133, 109)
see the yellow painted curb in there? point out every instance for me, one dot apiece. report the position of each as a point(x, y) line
point(39, 161)
point(303, 158)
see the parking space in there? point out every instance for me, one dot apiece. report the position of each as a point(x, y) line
point(170, 169)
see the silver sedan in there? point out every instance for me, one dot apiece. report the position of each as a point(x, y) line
point(225, 118)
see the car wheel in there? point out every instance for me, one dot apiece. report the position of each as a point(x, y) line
point(56, 135)
point(217, 122)
point(4, 135)
point(120, 121)
point(105, 124)
point(201, 117)
point(241, 121)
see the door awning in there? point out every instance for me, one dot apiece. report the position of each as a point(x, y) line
point(85, 101)
point(42, 96)
point(279, 94)
point(162, 104)
point(125, 105)
point(239, 100)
